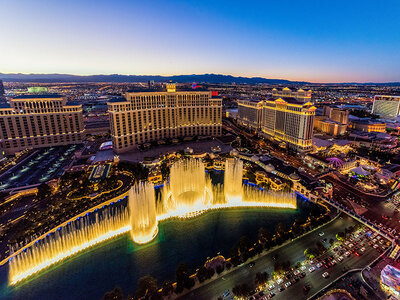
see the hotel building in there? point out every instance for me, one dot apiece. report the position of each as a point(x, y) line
point(300, 94)
point(284, 120)
point(386, 107)
point(249, 113)
point(333, 122)
point(289, 121)
point(151, 115)
point(32, 121)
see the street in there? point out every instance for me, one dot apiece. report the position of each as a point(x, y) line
point(294, 252)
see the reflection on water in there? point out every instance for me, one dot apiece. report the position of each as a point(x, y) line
point(120, 262)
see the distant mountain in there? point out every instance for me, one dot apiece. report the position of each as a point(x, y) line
point(204, 78)
point(201, 78)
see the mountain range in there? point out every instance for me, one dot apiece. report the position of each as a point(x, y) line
point(199, 78)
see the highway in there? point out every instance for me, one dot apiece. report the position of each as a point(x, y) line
point(294, 252)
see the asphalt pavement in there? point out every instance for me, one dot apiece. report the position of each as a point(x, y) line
point(293, 252)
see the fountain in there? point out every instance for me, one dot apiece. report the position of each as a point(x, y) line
point(233, 180)
point(142, 208)
point(188, 193)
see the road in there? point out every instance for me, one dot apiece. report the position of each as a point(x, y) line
point(294, 252)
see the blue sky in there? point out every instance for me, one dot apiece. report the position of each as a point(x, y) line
point(318, 41)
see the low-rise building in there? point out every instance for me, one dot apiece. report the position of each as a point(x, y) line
point(368, 125)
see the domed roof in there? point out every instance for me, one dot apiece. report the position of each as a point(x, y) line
point(269, 168)
point(294, 176)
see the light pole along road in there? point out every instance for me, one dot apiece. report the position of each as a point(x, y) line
point(293, 252)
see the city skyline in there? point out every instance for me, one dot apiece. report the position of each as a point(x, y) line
point(311, 41)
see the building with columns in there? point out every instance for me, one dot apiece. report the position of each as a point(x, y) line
point(33, 121)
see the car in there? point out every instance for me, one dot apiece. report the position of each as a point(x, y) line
point(350, 245)
point(334, 262)
point(287, 284)
point(340, 258)
point(271, 287)
point(226, 293)
point(362, 250)
point(381, 242)
point(375, 246)
point(325, 275)
point(303, 268)
point(281, 288)
point(321, 233)
point(271, 294)
point(319, 265)
point(296, 272)
point(306, 288)
point(312, 269)
point(251, 264)
point(302, 274)
point(347, 253)
point(280, 280)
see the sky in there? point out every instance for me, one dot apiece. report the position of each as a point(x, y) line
point(316, 41)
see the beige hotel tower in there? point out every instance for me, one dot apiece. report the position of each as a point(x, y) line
point(33, 121)
point(156, 114)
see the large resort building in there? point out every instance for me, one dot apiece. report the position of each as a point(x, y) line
point(32, 121)
point(386, 107)
point(284, 120)
point(300, 94)
point(157, 114)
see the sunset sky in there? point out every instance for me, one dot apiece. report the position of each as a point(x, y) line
point(318, 41)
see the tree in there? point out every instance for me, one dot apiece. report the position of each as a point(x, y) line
point(244, 245)
point(331, 241)
point(280, 229)
point(241, 290)
point(182, 274)
point(115, 294)
point(202, 274)
point(146, 286)
point(167, 288)
point(261, 278)
point(220, 269)
point(44, 191)
point(340, 236)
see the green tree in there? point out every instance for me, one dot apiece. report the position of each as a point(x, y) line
point(146, 286)
point(115, 294)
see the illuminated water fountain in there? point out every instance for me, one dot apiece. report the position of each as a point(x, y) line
point(233, 180)
point(67, 241)
point(188, 193)
point(143, 217)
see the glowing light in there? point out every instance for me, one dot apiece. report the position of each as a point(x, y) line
point(188, 194)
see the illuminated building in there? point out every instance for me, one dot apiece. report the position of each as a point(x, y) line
point(300, 94)
point(368, 125)
point(151, 115)
point(32, 121)
point(386, 107)
point(2, 92)
point(249, 113)
point(329, 126)
point(390, 281)
point(288, 121)
point(337, 114)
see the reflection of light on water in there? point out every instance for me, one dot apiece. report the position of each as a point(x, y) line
point(189, 193)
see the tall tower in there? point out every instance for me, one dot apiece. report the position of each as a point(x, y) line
point(2, 92)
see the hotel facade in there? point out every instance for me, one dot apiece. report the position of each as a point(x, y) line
point(33, 121)
point(249, 113)
point(151, 115)
point(386, 107)
point(300, 94)
point(284, 120)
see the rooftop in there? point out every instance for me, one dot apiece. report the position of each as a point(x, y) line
point(38, 96)
point(163, 89)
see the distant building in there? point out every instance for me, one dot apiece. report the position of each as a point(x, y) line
point(249, 113)
point(32, 121)
point(155, 114)
point(2, 92)
point(333, 122)
point(390, 281)
point(300, 94)
point(386, 107)
point(368, 125)
point(289, 121)
point(337, 114)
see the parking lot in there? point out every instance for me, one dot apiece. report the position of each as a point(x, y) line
point(41, 166)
